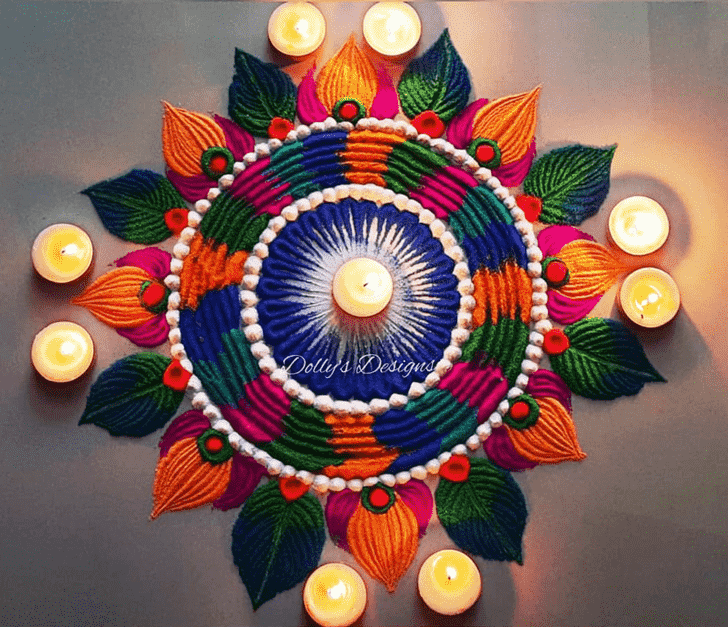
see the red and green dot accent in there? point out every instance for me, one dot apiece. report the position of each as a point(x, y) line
point(555, 272)
point(486, 152)
point(378, 499)
point(349, 110)
point(523, 412)
point(217, 161)
point(214, 447)
point(153, 296)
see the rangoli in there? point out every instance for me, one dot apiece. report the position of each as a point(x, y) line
point(308, 418)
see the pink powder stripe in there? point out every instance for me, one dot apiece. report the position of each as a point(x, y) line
point(418, 497)
point(340, 507)
point(553, 238)
point(434, 201)
point(259, 415)
point(478, 387)
point(462, 177)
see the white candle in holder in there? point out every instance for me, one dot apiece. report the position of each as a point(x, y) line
point(649, 297)
point(449, 582)
point(62, 253)
point(334, 595)
point(362, 287)
point(62, 351)
point(392, 28)
point(296, 28)
point(638, 225)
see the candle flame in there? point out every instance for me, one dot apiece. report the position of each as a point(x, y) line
point(337, 591)
point(67, 348)
point(70, 249)
point(303, 28)
point(393, 24)
point(452, 573)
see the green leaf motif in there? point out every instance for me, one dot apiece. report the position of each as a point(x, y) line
point(232, 221)
point(276, 543)
point(572, 183)
point(437, 81)
point(129, 398)
point(259, 92)
point(485, 514)
point(604, 360)
point(132, 206)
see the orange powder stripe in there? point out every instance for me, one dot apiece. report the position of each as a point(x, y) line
point(353, 436)
point(593, 269)
point(506, 292)
point(208, 267)
point(366, 155)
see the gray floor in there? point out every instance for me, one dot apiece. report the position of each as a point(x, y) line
point(637, 534)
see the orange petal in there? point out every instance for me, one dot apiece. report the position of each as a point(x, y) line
point(593, 269)
point(114, 298)
point(510, 121)
point(184, 480)
point(384, 544)
point(185, 136)
point(348, 74)
point(552, 439)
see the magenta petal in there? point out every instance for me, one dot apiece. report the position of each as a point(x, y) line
point(565, 310)
point(553, 238)
point(245, 426)
point(500, 450)
point(151, 333)
point(192, 188)
point(512, 174)
point(544, 383)
point(418, 497)
point(385, 104)
point(152, 260)
point(245, 475)
point(191, 424)
point(238, 140)
point(460, 129)
point(340, 507)
point(308, 107)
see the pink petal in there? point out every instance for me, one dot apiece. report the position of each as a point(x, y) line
point(512, 174)
point(553, 238)
point(544, 383)
point(152, 260)
point(385, 104)
point(151, 333)
point(500, 450)
point(308, 107)
point(340, 507)
point(245, 475)
point(238, 140)
point(565, 310)
point(192, 188)
point(418, 497)
point(478, 387)
point(191, 424)
point(460, 129)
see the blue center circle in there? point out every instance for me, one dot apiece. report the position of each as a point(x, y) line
point(340, 355)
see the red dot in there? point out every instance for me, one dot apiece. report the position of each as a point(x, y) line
point(531, 206)
point(279, 128)
point(484, 153)
point(429, 122)
point(457, 468)
point(218, 164)
point(292, 488)
point(176, 219)
point(176, 377)
point(348, 111)
point(379, 498)
point(519, 411)
point(555, 342)
point(556, 272)
point(214, 444)
point(153, 294)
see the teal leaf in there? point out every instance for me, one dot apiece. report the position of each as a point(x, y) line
point(485, 514)
point(132, 206)
point(130, 398)
point(572, 183)
point(604, 360)
point(259, 92)
point(437, 81)
point(276, 543)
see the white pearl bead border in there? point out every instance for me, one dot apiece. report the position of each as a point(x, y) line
point(254, 333)
point(539, 311)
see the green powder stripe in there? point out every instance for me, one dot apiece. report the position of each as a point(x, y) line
point(505, 343)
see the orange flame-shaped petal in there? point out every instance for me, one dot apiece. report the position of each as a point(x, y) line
point(552, 439)
point(593, 269)
point(510, 121)
point(348, 74)
point(184, 480)
point(384, 544)
point(185, 136)
point(114, 298)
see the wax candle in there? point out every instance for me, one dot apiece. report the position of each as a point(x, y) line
point(296, 28)
point(62, 351)
point(449, 582)
point(62, 253)
point(362, 287)
point(638, 225)
point(334, 595)
point(649, 297)
point(392, 28)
